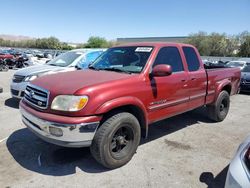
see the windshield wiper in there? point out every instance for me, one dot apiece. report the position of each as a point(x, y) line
point(93, 68)
point(116, 70)
point(52, 64)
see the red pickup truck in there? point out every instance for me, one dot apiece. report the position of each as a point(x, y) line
point(109, 106)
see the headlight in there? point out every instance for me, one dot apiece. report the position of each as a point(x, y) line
point(69, 103)
point(30, 78)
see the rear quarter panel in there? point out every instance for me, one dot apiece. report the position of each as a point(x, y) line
point(219, 78)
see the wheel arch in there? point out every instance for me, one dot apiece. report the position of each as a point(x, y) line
point(125, 104)
point(225, 85)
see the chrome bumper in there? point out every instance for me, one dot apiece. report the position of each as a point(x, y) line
point(18, 88)
point(67, 135)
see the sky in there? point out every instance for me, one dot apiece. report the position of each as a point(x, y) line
point(77, 20)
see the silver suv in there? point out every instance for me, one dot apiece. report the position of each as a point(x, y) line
point(64, 62)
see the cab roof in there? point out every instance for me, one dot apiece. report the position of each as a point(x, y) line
point(155, 44)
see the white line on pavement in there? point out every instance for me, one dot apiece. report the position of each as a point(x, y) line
point(3, 139)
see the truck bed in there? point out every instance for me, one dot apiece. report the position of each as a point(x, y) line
point(216, 75)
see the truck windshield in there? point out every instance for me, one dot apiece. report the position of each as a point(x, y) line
point(123, 59)
point(65, 59)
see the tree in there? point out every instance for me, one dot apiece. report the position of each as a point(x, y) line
point(200, 41)
point(213, 44)
point(43, 43)
point(96, 42)
point(245, 47)
point(217, 44)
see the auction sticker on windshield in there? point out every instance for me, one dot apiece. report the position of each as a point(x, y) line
point(143, 49)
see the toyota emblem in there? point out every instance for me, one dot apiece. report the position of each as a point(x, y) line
point(32, 93)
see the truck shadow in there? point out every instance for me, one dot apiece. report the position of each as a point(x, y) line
point(12, 103)
point(173, 124)
point(214, 182)
point(36, 155)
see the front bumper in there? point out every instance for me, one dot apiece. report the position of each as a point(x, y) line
point(67, 135)
point(17, 89)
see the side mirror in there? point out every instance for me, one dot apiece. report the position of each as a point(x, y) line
point(162, 70)
point(78, 66)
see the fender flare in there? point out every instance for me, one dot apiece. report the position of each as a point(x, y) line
point(124, 101)
point(220, 87)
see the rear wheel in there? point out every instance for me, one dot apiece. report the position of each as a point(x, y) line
point(116, 141)
point(219, 110)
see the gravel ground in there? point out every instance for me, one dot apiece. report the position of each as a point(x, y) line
point(184, 151)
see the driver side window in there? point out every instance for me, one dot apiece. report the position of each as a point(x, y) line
point(170, 56)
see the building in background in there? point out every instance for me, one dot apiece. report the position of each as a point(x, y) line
point(151, 39)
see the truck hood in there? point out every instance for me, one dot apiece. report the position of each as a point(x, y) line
point(70, 82)
point(39, 69)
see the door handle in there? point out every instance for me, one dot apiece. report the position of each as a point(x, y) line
point(193, 78)
point(183, 80)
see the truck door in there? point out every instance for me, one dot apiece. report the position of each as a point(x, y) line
point(197, 82)
point(169, 93)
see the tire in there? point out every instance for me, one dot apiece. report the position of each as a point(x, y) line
point(116, 141)
point(5, 68)
point(219, 110)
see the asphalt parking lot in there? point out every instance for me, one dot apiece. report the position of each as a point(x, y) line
point(184, 151)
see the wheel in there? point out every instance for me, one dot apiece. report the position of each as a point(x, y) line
point(219, 110)
point(5, 68)
point(116, 141)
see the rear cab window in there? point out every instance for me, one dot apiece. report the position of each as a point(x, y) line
point(170, 55)
point(191, 59)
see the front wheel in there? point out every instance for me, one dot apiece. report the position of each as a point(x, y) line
point(219, 110)
point(116, 141)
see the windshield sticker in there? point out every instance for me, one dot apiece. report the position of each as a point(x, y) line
point(143, 49)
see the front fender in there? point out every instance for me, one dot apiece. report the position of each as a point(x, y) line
point(119, 102)
point(125, 101)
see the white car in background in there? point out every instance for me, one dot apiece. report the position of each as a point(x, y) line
point(238, 175)
point(238, 63)
point(64, 62)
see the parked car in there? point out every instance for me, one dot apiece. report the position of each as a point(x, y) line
point(63, 62)
point(240, 64)
point(238, 174)
point(247, 59)
point(110, 105)
point(245, 79)
point(4, 55)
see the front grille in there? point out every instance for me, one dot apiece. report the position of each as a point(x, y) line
point(245, 81)
point(36, 96)
point(18, 78)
